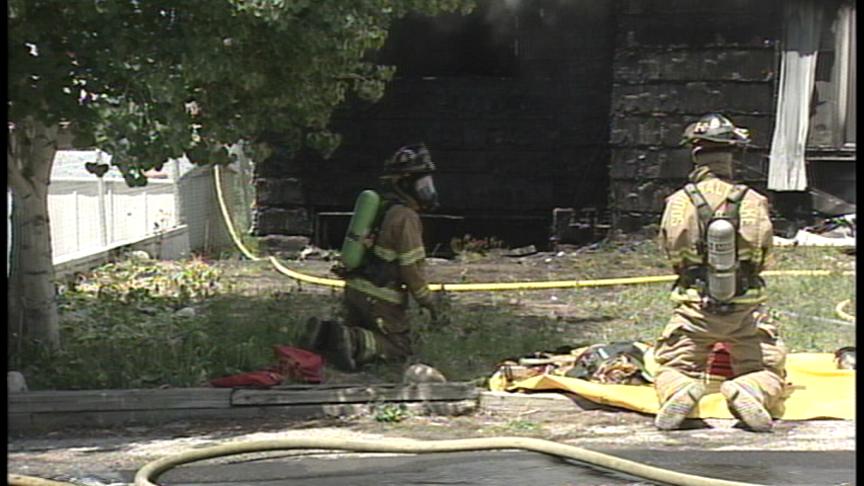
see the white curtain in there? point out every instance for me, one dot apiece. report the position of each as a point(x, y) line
point(844, 74)
point(787, 170)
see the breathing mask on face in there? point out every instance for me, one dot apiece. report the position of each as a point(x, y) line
point(427, 196)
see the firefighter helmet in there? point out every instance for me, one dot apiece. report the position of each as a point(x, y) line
point(715, 128)
point(408, 173)
point(409, 160)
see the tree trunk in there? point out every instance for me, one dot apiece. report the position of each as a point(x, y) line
point(33, 312)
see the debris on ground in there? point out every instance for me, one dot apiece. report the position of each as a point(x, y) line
point(522, 251)
point(839, 231)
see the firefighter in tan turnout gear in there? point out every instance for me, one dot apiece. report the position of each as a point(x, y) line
point(377, 292)
point(717, 235)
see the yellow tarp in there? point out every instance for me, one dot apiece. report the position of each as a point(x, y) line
point(817, 390)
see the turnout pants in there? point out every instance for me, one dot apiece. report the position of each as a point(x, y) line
point(379, 329)
point(756, 352)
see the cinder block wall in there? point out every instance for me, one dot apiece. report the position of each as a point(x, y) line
point(674, 61)
point(510, 145)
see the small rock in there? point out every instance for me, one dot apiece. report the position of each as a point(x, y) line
point(186, 312)
point(15, 382)
point(421, 373)
point(523, 251)
point(139, 255)
point(308, 252)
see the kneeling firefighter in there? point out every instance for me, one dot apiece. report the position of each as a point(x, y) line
point(717, 235)
point(383, 258)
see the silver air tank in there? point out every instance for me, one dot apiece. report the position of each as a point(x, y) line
point(720, 244)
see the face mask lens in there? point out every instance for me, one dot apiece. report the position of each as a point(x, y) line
point(424, 185)
point(425, 190)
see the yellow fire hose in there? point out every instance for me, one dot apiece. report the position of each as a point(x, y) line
point(840, 311)
point(148, 474)
point(19, 480)
point(475, 287)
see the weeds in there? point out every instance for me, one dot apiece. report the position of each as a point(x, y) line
point(121, 328)
point(391, 413)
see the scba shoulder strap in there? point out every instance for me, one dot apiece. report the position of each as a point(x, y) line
point(728, 210)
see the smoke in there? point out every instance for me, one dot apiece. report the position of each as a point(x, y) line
point(501, 16)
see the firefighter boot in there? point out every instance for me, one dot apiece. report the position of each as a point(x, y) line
point(315, 335)
point(745, 403)
point(341, 347)
point(675, 409)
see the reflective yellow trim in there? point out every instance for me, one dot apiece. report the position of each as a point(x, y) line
point(368, 288)
point(412, 256)
point(384, 253)
point(752, 296)
point(369, 348)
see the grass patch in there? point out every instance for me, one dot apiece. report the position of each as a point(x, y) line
point(147, 323)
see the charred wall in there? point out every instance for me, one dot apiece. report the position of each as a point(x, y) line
point(675, 60)
point(513, 102)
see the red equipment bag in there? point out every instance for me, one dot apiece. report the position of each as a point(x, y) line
point(299, 364)
point(253, 379)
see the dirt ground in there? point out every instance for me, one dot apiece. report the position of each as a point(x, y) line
point(101, 454)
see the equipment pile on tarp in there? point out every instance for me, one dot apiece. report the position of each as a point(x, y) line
point(839, 231)
point(620, 375)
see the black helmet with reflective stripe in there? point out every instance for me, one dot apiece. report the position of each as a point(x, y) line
point(715, 128)
point(409, 160)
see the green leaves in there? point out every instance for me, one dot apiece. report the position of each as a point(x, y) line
point(250, 67)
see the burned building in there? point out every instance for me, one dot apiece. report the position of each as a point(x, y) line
point(532, 105)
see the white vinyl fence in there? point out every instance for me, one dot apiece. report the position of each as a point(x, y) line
point(90, 214)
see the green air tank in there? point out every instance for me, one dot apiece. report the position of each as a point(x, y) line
point(365, 212)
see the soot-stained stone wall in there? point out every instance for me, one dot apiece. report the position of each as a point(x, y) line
point(513, 103)
point(674, 61)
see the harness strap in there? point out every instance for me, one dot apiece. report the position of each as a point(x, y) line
point(703, 209)
point(728, 209)
point(733, 203)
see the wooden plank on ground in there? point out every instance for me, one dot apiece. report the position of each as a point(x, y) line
point(103, 400)
point(356, 394)
point(46, 421)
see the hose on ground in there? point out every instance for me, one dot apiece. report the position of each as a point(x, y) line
point(147, 475)
point(21, 480)
point(841, 312)
point(476, 287)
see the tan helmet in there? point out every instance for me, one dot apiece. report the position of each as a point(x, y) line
point(715, 129)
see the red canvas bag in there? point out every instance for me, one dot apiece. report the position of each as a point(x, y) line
point(299, 364)
point(252, 379)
